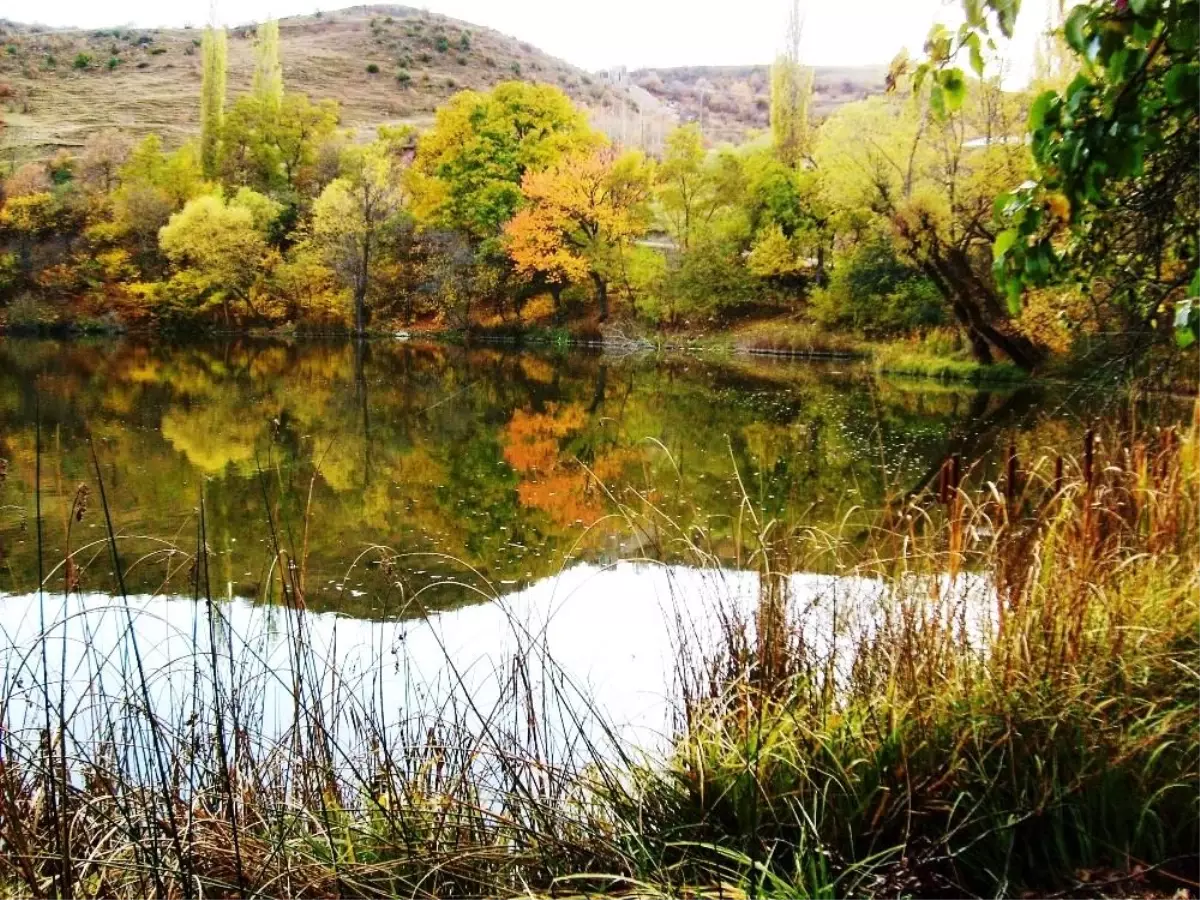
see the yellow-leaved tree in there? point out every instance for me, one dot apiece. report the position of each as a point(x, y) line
point(356, 214)
point(580, 216)
point(219, 249)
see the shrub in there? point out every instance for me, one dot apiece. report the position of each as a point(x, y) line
point(113, 62)
point(82, 61)
point(873, 290)
point(441, 44)
point(158, 51)
point(51, 62)
point(403, 77)
point(372, 69)
point(462, 60)
point(464, 42)
point(425, 58)
point(516, 68)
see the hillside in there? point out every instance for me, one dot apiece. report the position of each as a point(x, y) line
point(147, 80)
point(732, 100)
point(57, 86)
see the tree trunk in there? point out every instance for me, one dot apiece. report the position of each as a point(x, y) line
point(601, 295)
point(971, 300)
point(556, 289)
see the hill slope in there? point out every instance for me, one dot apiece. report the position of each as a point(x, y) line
point(154, 84)
point(57, 86)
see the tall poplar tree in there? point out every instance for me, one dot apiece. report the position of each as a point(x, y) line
point(267, 85)
point(791, 90)
point(214, 49)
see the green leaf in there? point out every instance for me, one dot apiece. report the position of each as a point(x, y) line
point(937, 101)
point(1138, 6)
point(976, 54)
point(955, 87)
point(1012, 290)
point(1037, 112)
point(1073, 28)
point(1181, 83)
point(1003, 243)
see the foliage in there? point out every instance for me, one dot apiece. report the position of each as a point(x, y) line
point(266, 85)
point(925, 177)
point(469, 165)
point(213, 55)
point(791, 94)
point(1113, 205)
point(580, 215)
point(355, 216)
point(218, 248)
point(874, 291)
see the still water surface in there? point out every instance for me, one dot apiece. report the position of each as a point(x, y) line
point(482, 471)
point(439, 508)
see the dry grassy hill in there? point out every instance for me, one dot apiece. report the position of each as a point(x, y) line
point(384, 64)
point(731, 101)
point(58, 85)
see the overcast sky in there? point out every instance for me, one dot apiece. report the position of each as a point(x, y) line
point(600, 33)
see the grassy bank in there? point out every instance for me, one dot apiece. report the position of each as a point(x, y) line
point(1004, 699)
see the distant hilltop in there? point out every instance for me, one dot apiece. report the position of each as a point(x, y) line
point(383, 64)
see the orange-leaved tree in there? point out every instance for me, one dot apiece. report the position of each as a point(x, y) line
point(579, 217)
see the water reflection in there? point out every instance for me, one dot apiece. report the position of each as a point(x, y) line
point(501, 464)
point(599, 645)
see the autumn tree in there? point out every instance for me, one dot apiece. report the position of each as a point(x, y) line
point(687, 191)
point(266, 85)
point(791, 94)
point(354, 217)
point(104, 152)
point(213, 55)
point(218, 248)
point(580, 215)
point(469, 166)
point(154, 184)
point(930, 171)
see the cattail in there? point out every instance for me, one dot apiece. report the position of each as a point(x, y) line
point(1089, 450)
point(1011, 481)
point(82, 495)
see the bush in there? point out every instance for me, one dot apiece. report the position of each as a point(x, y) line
point(425, 58)
point(82, 61)
point(113, 62)
point(158, 51)
point(441, 44)
point(372, 69)
point(403, 77)
point(873, 290)
point(464, 42)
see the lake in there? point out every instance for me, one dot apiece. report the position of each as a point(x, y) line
point(406, 470)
